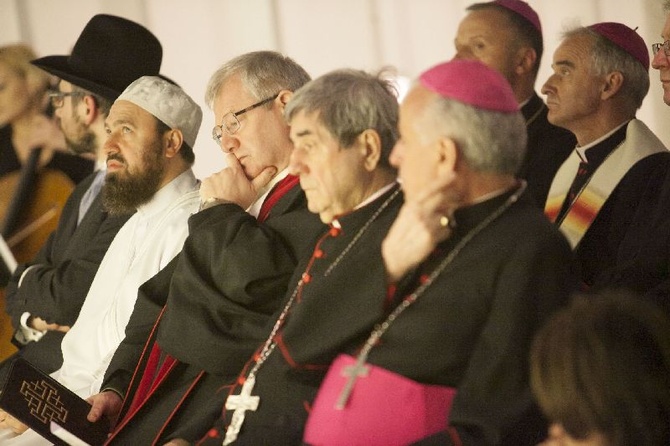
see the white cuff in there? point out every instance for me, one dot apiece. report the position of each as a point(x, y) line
point(26, 334)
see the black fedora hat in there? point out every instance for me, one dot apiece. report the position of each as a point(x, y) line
point(110, 53)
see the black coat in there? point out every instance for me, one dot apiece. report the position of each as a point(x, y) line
point(218, 295)
point(56, 288)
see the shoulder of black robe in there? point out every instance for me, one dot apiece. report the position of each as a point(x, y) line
point(547, 148)
point(151, 298)
point(231, 276)
point(472, 327)
point(350, 299)
point(623, 225)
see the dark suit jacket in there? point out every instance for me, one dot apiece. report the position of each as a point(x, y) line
point(56, 287)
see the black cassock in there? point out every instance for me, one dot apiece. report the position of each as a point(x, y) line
point(218, 295)
point(470, 330)
point(548, 146)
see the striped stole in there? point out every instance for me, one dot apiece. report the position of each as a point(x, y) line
point(639, 143)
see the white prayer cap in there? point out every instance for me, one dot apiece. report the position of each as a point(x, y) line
point(167, 102)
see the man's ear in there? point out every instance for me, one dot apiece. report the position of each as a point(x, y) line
point(172, 142)
point(526, 58)
point(89, 108)
point(283, 98)
point(370, 145)
point(612, 84)
point(447, 154)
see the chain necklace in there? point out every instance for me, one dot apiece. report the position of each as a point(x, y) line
point(359, 368)
point(245, 401)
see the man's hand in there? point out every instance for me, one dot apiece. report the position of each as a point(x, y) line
point(40, 324)
point(232, 185)
point(9, 422)
point(422, 223)
point(106, 403)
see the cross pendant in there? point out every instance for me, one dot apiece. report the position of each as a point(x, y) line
point(353, 372)
point(240, 404)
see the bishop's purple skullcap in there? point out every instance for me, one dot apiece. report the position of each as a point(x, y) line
point(167, 102)
point(523, 9)
point(625, 38)
point(473, 83)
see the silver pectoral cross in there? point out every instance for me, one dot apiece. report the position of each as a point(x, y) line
point(353, 372)
point(240, 404)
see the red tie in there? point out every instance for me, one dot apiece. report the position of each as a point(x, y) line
point(278, 191)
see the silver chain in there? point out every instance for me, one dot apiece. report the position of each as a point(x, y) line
point(381, 328)
point(270, 345)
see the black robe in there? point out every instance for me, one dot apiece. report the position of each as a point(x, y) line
point(642, 263)
point(622, 227)
point(471, 330)
point(332, 313)
point(218, 294)
point(547, 147)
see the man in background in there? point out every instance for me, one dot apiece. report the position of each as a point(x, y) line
point(506, 35)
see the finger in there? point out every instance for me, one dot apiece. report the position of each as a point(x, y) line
point(96, 409)
point(232, 162)
point(263, 178)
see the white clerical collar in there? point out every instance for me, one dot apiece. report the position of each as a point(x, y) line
point(367, 201)
point(581, 150)
point(255, 207)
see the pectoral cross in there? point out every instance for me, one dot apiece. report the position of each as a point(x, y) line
point(353, 372)
point(240, 404)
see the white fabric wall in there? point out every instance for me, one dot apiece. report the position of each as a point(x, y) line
point(410, 35)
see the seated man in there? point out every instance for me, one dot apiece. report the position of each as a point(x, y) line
point(151, 128)
point(343, 126)
point(471, 268)
point(604, 195)
point(199, 319)
point(44, 296)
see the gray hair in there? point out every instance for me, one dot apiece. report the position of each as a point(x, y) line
point(607, 57)
point(349, 102)
point(263, 74)
point(666, 6)
point(489, 141)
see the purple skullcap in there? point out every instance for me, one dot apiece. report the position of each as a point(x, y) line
point(472, 83)
point(625, 38)
point(523, 9)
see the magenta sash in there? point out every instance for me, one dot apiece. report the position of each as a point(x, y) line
point(384, 408)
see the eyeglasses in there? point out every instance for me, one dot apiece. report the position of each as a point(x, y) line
point(231, 124)
point(57, 98)
point(656, 47)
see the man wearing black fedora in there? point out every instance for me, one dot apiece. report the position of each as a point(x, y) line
point(45, 296)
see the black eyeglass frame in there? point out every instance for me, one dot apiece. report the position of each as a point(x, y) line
point(57, 98)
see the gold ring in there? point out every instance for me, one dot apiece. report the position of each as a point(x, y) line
point(444, 221)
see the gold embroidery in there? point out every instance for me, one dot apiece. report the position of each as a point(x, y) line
point(44, 401)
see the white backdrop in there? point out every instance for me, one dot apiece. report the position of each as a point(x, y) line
point(411, 35)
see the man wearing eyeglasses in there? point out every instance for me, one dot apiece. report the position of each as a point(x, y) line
point(44, 297)
point(219, 295)
point(604, 195)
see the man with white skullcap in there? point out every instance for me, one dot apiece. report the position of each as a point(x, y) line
point(151, 130)
point(472, 269)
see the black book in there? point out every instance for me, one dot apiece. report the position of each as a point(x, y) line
point(37, 400)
